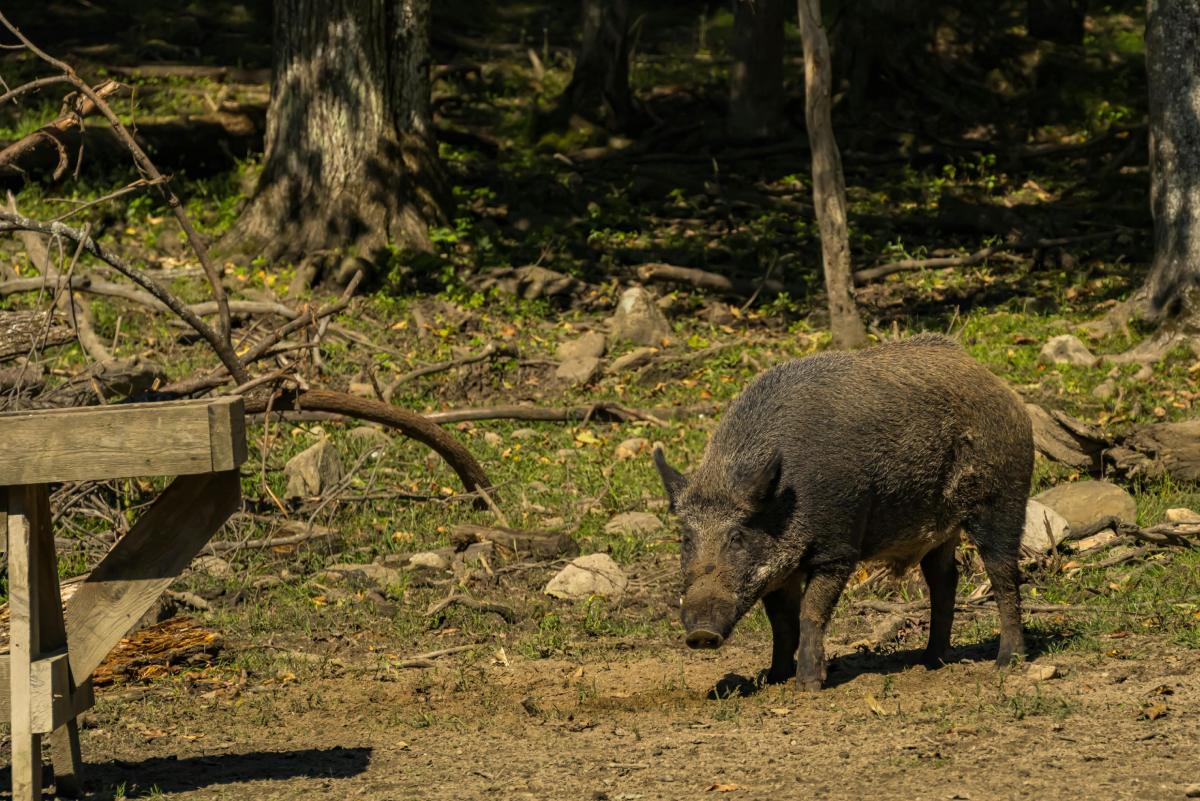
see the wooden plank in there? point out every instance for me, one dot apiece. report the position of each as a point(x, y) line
point(83, 697)
point(68, 760)
point(22, 523)
point(144, 562)
point(120, 441)
point(49, 687)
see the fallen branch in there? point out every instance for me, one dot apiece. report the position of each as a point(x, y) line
point(310, 532)
point(703, 279)
point(52, 133)
point(875, 273)
point(426, 660)
point(465, 600)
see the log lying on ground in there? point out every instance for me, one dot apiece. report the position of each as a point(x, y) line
point(22, 332)
point(1161, 449)
point(1064, 439)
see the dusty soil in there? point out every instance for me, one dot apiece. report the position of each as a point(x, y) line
point(636, 722)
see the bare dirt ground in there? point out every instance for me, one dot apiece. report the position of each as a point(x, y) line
point(641, 723)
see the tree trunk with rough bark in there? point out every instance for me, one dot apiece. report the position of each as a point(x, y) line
point(1172, 288)
point(350, 163)
point(829, 183)
point(599, 88)
point(756, 77)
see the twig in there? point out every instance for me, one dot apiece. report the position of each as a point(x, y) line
point(465, 600)
point(703, 279)
point(426, 660)
point(312, 532)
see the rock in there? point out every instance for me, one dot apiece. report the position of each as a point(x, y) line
point(1085, 502)
point(313, 471)
point(638, 320)
point(717, 313)
point(493, 439)
point(632, 448)
point(634, 523)
point(578, 372)
point(523, 433)
point(1039, 518)
point(1144, 374)
point(369, 435)
point(1098, 540)
point(429, 560)
point(590, 345)
point(594, 574)
point(366, 573)
point(1104, 390)
point(1182, 514)
point(213, 566)
point(1067, 349)
point(638, 357)
point(1040, 672)
point(362, 389)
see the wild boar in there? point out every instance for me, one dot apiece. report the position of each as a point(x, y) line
point(885, 454)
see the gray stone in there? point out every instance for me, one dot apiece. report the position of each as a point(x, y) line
point(362, 389)
point(590, 345)
point(1104, 390)
point(634, 523)
point(578, 372)
point(632, 448)
point(1067, 349)
point(594, 574)
point(1044, 528)
point(429, 560)
point(523, 433)
point(638, 319)
point(366, 573)
point(1181, 514)
point(213, 566)
point(638, 357)
point(1085, 502)
point(493, 439)
point(313, 471)
point(1042, 672)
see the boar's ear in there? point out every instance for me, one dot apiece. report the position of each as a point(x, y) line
point(672, 479)
point(759, 481)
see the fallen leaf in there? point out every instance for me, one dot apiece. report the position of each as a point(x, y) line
point(875, 706)
point(1154, 711)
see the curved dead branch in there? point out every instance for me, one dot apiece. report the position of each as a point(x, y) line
point(410, 424)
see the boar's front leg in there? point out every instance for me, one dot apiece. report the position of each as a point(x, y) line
point(825, 586)
point(783, 610)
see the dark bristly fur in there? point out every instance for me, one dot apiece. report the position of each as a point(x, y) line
point(882, 455)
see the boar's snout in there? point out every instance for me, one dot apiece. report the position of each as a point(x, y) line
point(708, 619)
point(702, 638)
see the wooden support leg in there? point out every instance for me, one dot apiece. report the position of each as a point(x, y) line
point(64, 742)
point(24, 642)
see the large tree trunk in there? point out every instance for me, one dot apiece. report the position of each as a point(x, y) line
point(829, 183)
point(350, 162)
point(1172, 288)
point(599, 88)
point(756, 77)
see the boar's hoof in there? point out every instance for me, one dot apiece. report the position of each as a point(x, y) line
point(701, 638)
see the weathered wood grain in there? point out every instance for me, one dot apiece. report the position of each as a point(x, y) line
point(23, 332)
point(144, 562)
point(21, 524)
point(138, 439)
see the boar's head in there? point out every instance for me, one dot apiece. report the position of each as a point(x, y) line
point(732, 513)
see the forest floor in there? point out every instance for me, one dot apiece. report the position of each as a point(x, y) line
point(308, 695)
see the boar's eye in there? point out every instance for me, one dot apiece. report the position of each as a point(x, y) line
point(737, 537)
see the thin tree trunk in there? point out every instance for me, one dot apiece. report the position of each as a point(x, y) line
point(350, 164)
point(1172, 288)
point(756, 77)
point(829, 183)
point(599, 88)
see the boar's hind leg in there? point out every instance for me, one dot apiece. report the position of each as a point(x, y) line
point(820, 597)
point(783, 610)
point(941, 574)
point(996, 532)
